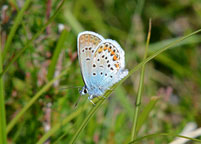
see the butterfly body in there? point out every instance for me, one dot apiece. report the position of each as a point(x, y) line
point(102, 63)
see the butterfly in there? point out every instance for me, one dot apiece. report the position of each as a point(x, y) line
point(102, 63)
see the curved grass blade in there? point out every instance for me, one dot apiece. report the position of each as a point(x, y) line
point(163, 134)
point(146, 111)
point(99, 102)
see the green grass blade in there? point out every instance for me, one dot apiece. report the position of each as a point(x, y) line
point(140, 90)
point(99, 102)
point(22, 23)
point(33, 99)
point(72, 21)
point(59, 125)
point(55, 56)
point(163, 134)
point(17, 21)
point(3, 139)
point(33, 38)
point(145, 113)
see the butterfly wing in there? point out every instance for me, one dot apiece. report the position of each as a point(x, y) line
point(108, 66)
point(87, 43)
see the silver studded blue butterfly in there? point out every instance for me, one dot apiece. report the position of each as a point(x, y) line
point(102, 63)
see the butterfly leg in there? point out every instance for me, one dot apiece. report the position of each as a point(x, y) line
point(90, 99)
point(109, 89)
point(103, 96)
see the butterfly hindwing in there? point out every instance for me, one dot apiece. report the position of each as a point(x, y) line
point(107, 66)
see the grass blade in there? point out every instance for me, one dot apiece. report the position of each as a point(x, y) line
point(3, 139)
point(55, 57)
point(139, 95)
point(145, 113)
point(76, 26)
point(164, 134)
point(17, 22)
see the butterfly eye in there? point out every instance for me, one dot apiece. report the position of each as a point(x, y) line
point(85, 91)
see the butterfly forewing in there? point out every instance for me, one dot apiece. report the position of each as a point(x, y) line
point(87, 43)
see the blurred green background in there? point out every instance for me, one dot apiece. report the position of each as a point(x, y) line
point(173, 77)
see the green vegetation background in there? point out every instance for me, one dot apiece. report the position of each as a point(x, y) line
point(173, 77)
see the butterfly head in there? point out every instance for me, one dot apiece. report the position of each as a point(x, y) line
point(84, 90)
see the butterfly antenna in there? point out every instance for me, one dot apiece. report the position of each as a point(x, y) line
point(69, 87)
point(78, 100)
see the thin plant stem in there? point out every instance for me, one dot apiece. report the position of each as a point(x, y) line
point(141, 83)
point(3, 139)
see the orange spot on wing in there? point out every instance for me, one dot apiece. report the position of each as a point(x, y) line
point(105, 48)
point(112, 53)
point(115, 58)
point(117, 65)
point(109, 49)
point(100, 50)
